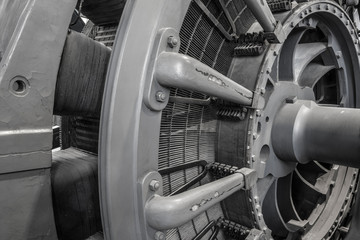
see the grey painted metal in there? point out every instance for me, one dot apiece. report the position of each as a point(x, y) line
point(129, 129)
point(304, 131)
point(342, 35)
point(156, 96)
point(26, 206)
point(180, 71)
point(129, 144)
point(262, 13)
point(81, 77)
point(169, 212)
point(32, 36)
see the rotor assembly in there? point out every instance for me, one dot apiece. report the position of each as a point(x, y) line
point(190, 119)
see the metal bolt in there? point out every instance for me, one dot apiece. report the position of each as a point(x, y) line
point(172, 41)
point(154, 185)
point(258, 113)
point(160, 96)
point(254, 136)
point(159, 236)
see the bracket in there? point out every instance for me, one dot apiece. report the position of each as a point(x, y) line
point(156, 96)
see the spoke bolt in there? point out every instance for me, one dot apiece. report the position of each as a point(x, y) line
point(154, 185)
point(172, 41)
point(160, 96)
point(159, 236)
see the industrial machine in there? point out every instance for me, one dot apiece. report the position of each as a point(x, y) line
point(179, 119)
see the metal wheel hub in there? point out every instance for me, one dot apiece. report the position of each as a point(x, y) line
point(279, 94)
point(292, 71)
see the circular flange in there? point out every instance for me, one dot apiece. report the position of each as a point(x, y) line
point(277, 85)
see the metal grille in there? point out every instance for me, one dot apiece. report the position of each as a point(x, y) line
point(188, 131)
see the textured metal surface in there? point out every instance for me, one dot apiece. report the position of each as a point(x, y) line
point(75, 193)
point(81, 77)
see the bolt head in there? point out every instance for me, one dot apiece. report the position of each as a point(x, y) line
point(154, 185)
point(172, 41)
point(160, 96)
point(159, 236)
point(258, 113)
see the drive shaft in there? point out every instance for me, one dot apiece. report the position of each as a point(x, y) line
point(304, 131)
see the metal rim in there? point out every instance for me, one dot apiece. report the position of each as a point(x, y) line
point(324, 219)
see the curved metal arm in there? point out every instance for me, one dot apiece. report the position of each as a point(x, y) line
point(169, 212)
point(180, 71)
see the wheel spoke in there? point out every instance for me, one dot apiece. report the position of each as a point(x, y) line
point(309, 185)
point(180, 71)
point(304, 54)
point(271, 212)
point(313, 73)
point(285, 202)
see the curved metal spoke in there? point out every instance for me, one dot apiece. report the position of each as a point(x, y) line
point(272, 214)
point(287, 61)
point(309, 185)
point(304, 54)
point(313, 73)
point(285, 201)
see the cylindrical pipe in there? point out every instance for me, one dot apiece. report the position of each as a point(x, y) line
point(262, 13)
point(304, 131)
point(180, 71)
point(170, 212)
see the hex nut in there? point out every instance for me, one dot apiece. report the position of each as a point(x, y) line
point(160, 96)
point(159, 236)
point(154, 185)
point(172, 41)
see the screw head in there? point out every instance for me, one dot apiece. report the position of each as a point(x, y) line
point(160, 96)
point(159, 236)
point(172, 41)
point(154, 185)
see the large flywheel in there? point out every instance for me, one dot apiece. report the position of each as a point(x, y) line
point(230, 120)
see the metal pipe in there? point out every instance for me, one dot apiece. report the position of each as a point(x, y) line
point(262, 13)
point(304, 131)
point(170, 212)
point(180, 71)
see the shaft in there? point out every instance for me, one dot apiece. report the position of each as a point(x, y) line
point(304, 131)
